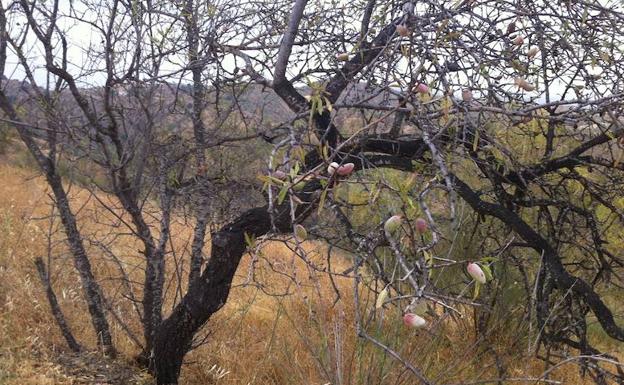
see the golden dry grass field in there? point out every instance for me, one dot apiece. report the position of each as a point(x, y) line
point(303, 337)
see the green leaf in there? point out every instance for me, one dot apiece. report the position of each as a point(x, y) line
point(328, 104)
point(375, 194)
point(487, 270)
point(322, 201)
point(282, 195)
point(476, 290)
point(250, 240)
point(428, 261)
point(325, 152)
point(300, 232)
point(299, 185)
point(475, 143)
point(381, 298)
point(273, 180)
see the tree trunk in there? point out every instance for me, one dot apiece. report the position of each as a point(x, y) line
point(197, 246)
point(93, 293)
point(54, 306)
point(210, 292)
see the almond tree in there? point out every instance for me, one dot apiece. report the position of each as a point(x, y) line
point(502, 117)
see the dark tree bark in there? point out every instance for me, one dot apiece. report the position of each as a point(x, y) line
point(197, 68)
point(210, 292)
point(55, 307)
point(93, 292)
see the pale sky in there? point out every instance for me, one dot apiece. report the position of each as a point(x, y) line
point(81, 36)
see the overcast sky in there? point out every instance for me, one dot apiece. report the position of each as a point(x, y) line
point(81, 37)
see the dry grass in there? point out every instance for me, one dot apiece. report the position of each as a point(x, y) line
point(305, 337)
